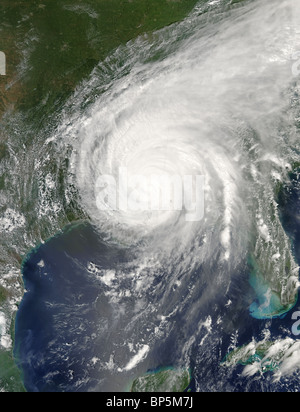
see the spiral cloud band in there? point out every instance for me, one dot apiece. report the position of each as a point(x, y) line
point(214, 106)
point(211, 97)
point(151, 193)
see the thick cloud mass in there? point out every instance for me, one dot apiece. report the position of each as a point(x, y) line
point(214, 96)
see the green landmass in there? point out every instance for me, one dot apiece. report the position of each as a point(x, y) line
point(51, 46)
point(58, 43)
point(266, 355)
point(272, 262)
point(163, 380)
point(268, 303)
point(10, 376)
point(247, 354)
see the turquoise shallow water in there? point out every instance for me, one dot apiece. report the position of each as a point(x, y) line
point(109, 300)
point(267, 304)
point(66, 328)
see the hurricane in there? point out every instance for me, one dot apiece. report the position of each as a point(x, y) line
point(219, 104)
point(214, 97)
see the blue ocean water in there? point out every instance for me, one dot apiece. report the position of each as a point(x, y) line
point(55, 319)
point(97, 315)
point(66, 324)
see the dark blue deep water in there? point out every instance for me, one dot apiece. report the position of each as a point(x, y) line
point(66, 327)
point(57, 314)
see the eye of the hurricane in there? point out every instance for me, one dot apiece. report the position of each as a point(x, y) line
point(151, 184)
point(155, 163)
point(164, 144)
